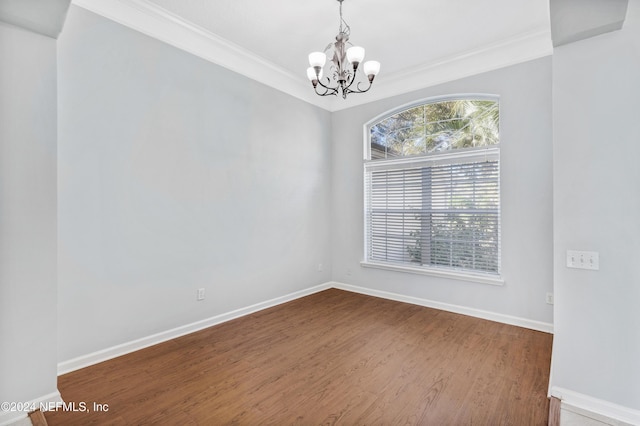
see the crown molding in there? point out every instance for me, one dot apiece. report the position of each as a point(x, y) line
point(520, 48)
point(154, 21)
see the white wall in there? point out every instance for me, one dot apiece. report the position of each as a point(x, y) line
point(526, 173)
point(27, 215)
point(175, 174)
point(596, 103)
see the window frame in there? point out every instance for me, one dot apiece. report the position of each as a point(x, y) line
point(494, 150)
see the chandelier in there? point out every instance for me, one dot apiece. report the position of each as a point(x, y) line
point(344, 76)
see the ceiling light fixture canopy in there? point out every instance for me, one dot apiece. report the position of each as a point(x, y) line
point(343, 75)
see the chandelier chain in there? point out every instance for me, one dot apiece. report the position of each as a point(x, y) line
point(347, 29)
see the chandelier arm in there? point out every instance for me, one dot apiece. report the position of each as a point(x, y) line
point(352, 76)
point(325, 86)
point(358, 89)
point(328, 90)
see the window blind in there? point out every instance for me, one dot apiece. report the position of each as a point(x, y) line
point(437, 213)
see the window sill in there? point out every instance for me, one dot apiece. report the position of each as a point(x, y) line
point(483, 279)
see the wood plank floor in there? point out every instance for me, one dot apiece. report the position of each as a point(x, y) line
point(334, 357)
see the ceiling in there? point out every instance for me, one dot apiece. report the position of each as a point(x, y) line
point(402, 33)
point(418, 42)
point(44, 17)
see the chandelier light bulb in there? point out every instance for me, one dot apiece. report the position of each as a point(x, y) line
point(355, 55)
point(311, 74)
point(317, 59)
point(371, 69)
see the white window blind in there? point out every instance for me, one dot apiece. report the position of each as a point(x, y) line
point(432, 189)
point(439, 212)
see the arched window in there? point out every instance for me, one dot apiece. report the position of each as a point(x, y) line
point(432, 188)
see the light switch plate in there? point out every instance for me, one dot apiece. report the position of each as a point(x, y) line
point(583, 259)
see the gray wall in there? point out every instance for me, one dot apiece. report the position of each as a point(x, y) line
point(596, 101)
point(526, 185)
point(27, 215)
point(175, 174)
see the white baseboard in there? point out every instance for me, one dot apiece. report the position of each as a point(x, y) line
point(10, 417)
point(478, 313)
point(598, 409)
point(128, 347)
point(154, 339)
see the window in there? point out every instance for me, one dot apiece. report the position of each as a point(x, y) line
point(432, 189)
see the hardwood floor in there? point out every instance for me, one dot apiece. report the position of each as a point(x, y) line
point(330, 358)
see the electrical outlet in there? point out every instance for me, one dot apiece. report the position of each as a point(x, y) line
point(320, 268)
point(201, 294)
point(549, 298)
